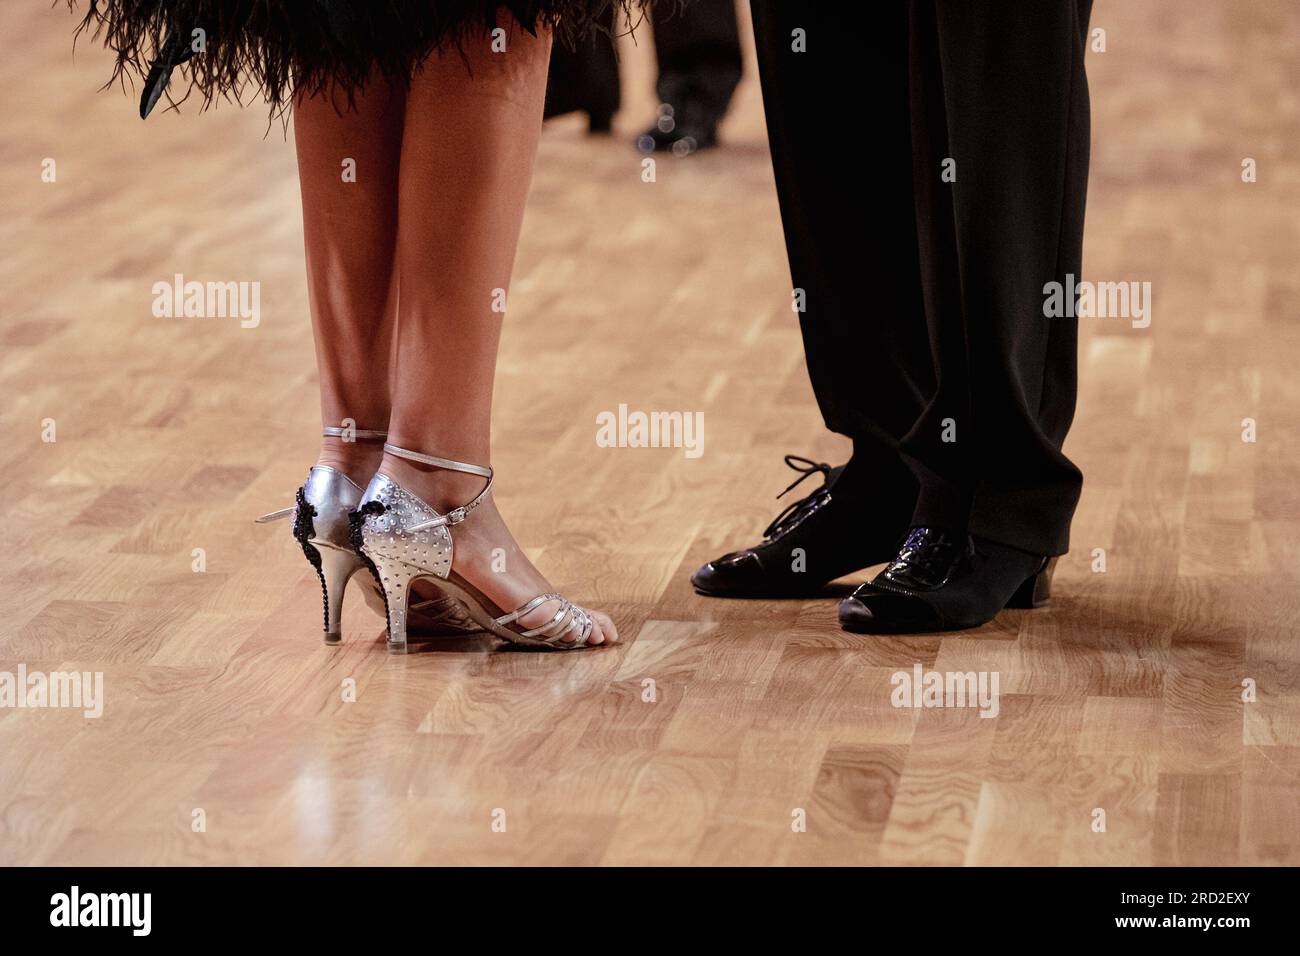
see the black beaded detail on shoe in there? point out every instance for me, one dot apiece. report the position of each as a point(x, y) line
point(355, 521)
point(303, 531)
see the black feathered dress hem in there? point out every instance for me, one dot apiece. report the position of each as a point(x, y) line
point(243, 50)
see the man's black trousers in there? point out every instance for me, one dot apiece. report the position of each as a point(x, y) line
point(931, 160)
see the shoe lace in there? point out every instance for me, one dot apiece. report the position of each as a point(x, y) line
point(923, 547)
point(796, 510)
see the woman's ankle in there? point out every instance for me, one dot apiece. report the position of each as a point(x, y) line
point(359, 460)
point(441, 488)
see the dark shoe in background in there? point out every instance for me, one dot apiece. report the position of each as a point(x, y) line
point(681, 131)
point(697, 48)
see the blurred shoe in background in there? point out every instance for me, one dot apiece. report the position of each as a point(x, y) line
point(698, 51)
point(699, 59)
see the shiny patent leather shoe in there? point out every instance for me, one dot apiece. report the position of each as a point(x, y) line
point(404, 539)
point(940, 581)
point(820, 537)
point(322, 527)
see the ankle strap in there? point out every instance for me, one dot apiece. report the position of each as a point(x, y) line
point(437, 462)
point(455, 515)
point(363, 434)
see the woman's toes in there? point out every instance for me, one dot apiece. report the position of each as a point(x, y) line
point(596, 637)
point(607, 627)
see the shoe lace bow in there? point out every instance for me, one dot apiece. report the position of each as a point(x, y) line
point(796, 510)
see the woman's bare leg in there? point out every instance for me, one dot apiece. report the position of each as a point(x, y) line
point(348, 169)
point(472, 122)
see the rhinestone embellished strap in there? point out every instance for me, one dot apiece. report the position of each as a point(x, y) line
point(568, 617)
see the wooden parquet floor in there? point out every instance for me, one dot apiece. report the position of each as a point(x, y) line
point(703, 738)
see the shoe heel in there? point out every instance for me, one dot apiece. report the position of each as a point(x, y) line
point(395, 578)
point(336, 569)
point(1037, 589)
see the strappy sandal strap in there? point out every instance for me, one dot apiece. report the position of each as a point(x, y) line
point(579, 621)
point(526, 607)
point(356, 434)
point(567, 618)
point(455, 515)
point(481, 470)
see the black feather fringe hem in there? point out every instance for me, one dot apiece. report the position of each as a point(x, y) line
point(277, 48)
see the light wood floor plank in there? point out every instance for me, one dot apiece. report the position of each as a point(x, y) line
point(1150, 716)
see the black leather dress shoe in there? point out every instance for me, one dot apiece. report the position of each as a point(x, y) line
point(944, 582)
point(829, 533)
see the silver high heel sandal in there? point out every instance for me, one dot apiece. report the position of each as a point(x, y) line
point(403, 539)
point(322, 527)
